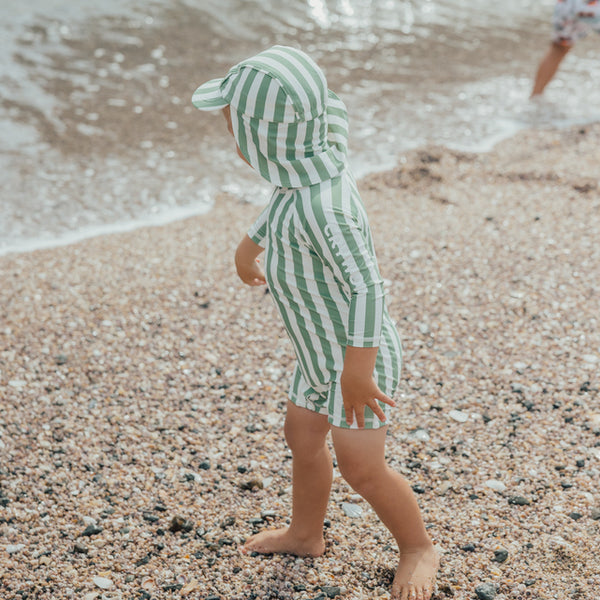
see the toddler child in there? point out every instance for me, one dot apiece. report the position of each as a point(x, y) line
point(573, 19)
point(320, 267)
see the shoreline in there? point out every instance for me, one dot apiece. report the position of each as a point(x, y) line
point(142, 383)
point(185, 212)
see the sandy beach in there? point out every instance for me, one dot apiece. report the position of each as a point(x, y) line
point(143, 392)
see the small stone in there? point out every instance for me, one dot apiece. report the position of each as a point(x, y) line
point(352, 510)
point(179, 523)
point(225, 541)
point(147, 516)
point(500, 555)
point(80, 549)
point(103, 582)
point(331, 591)
point(14, 548)
point(566, 485)
point(267, 514)
point(227, 522)
point(595, 514)
point(420, 434)
point(252, 484)
point(444, 488)
point(204, 465)
point(495, 485)
point(418, 489)
point(468, 548)
point(575, 516)
point(143, 561)
point(519, 501)
point(60, 359)
point(486, 591)
point(458, 416)
point(91, 530)
point(580, 463)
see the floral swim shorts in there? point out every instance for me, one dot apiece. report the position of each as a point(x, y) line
point(573, 20)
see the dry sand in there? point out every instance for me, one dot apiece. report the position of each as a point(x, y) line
point(143, 390)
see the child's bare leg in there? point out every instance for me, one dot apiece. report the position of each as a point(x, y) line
point(361, 459)
point(548, 67)
point(312, 472)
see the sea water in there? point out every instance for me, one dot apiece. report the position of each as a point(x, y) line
point(98, 133)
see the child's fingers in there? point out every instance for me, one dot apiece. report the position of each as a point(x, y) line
point(377, 410)
point(360, 418)
point(386, 399)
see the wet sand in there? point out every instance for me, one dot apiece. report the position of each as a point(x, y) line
point(143, 390)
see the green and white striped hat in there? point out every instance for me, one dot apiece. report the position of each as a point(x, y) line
point(287, 124)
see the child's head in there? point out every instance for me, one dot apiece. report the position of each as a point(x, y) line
point(286, 123)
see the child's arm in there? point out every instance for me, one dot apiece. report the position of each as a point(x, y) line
point(246, 262)
point(358, 386)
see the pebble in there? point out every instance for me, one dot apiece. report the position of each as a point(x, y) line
point(91, 530)
point(352, 510)
point(459, 416)
point(495, 485)
point(179, 523)
point(486, 591)
point(103, 582)
point(519, 500)
point(420, 434)
point(14, 548)
point(500, 555)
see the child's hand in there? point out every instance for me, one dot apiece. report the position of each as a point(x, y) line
point(358, 386)
point(358, 392)
point(246, 262)
point(251, 274)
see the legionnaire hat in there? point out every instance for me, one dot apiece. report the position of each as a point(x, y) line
point(288, 125)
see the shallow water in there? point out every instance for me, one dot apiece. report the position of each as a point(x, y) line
point(98, 133)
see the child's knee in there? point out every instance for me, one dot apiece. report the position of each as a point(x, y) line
point(302, 442)
point(361, 477)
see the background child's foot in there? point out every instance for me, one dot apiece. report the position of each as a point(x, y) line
point(416, 574)
point(280, 541)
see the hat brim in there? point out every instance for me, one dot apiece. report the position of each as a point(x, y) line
point(208, 96)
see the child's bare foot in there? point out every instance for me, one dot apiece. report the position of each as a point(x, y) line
point(416, 574)
point(281, 541)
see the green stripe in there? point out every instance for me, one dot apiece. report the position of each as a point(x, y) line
point(277, 249)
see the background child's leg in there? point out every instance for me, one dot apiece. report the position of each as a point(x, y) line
point(312, 472)
point(548, 67)
point(361, 459)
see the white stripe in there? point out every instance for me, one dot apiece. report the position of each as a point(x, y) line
point(293, 80)
point(240, 79)
point(270, 100)
point(296, 337)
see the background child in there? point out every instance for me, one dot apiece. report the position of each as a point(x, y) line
point(573, 19)
point(321, 268)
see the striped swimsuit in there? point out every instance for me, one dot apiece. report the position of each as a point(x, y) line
point(319, 261)
point(320, 266)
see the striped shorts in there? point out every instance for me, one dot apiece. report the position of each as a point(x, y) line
point(574, 19)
